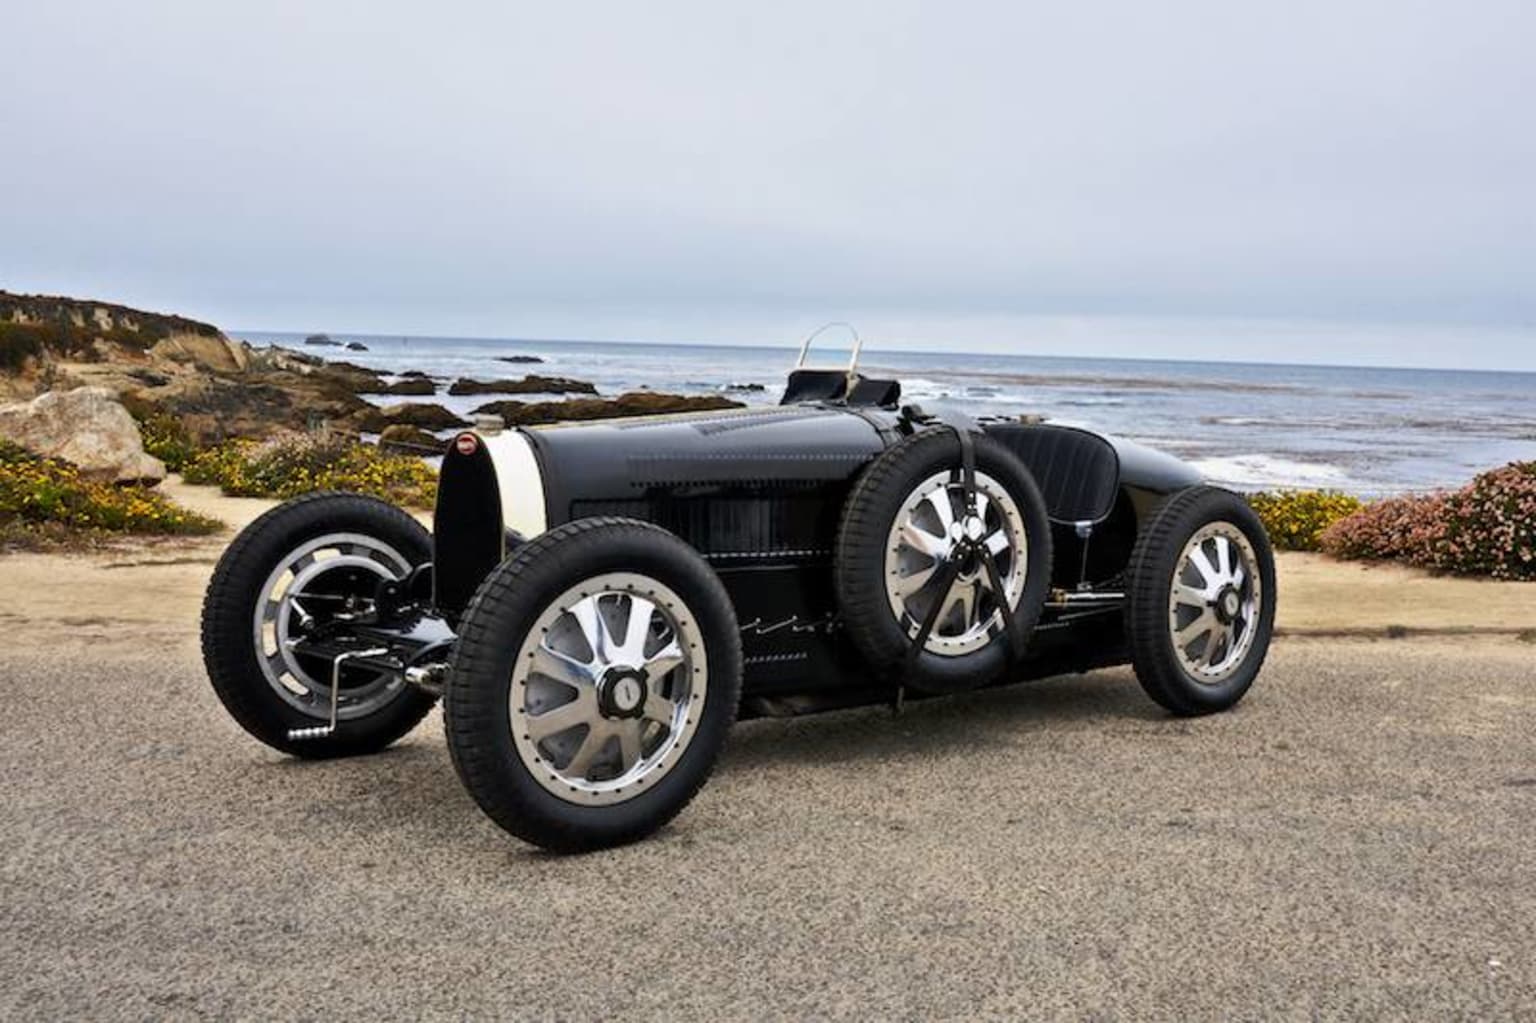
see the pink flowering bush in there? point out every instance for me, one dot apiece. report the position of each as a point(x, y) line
point(1489, 527)
point(1399, 528)
point(1486, 528)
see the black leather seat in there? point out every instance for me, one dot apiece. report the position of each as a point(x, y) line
point(815, 385)
point(1078, 472)
point(832, 385)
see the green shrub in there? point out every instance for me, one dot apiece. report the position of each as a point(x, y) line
point(1486, 528)
point(49, 491)
point(164, 435)
point(1295, 519)
point(19, 342)
point(295, 464)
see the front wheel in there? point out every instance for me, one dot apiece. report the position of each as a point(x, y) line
point(596, 675)
point(1201, 606)
point(287, 576)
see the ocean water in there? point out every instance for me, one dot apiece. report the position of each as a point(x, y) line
point(1369, 431)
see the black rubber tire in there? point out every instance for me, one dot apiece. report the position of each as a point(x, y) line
point(229, 654)
point(505, 608)
point(859, 562)
point(1150, 575)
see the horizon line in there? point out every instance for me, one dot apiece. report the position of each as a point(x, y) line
point(792, 347)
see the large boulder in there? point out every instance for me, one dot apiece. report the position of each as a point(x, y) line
point(86, 426)
point(215, 354)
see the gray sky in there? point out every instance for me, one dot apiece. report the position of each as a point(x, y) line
point(1183, 179)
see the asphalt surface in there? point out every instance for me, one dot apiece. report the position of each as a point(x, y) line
point(1358, 838)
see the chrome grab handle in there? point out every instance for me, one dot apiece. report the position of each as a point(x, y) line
point(323, 731)
point(853, 359)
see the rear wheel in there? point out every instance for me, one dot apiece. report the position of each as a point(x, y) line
point(596, 675)
point(1201, 605)
point(286, 575)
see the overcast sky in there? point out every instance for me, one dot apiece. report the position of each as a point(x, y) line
point(1183, 179)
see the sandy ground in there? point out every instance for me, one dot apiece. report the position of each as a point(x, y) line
point(1353, 840)
point(150, 591)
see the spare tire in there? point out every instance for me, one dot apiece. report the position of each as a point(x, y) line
point(909, 551)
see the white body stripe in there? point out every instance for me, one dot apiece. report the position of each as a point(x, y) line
point(518, 481)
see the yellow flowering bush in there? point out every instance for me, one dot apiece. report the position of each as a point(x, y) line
point(294, 464)
point(41, 491)
point(1295, 519)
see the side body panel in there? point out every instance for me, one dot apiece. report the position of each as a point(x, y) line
point(759, 493)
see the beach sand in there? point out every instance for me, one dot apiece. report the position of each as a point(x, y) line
point(1352, 840)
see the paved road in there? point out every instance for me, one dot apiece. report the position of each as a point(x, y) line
point(1358, 838)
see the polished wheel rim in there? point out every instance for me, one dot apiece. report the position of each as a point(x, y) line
point(608, 688)
point(1214, 602)
point(333, 575)
point(932, 529)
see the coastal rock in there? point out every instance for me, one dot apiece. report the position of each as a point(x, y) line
point(427, 417)
point(322, 339)
point(531, 384)
point(353, 378)
point(634, 403)
point(214, 354)
point(411, 439)
point(407, 386)
point(277, 358)
point(518, 358)
point(87, 427)
point(356, 346)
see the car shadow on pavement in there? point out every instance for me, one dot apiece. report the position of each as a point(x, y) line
point(411, 789)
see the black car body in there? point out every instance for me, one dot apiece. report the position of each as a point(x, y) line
point(759, 491)
point(599, 602)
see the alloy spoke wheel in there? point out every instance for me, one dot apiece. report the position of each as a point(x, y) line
point(932, 530)
point(607, 689)
point(1214, 602)
point(331, 575)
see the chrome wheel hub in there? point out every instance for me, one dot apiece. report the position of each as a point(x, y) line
point(607, 689)
point(934, 529)
point(1214, 602)
point(323, 580)
point(621, 692)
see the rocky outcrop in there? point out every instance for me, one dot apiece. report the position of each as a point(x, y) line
point(406, 386)
point(87, 426)
point(410, 439)
point(426, 417)
point(217, 387)
point(72, 323)
point(518, 358)
point(635, 403)
point(214, 354)
point(531, 384)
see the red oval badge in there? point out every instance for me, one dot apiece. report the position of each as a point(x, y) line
point(466, 444)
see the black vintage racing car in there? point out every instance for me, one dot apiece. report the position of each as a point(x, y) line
point(599, 602)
